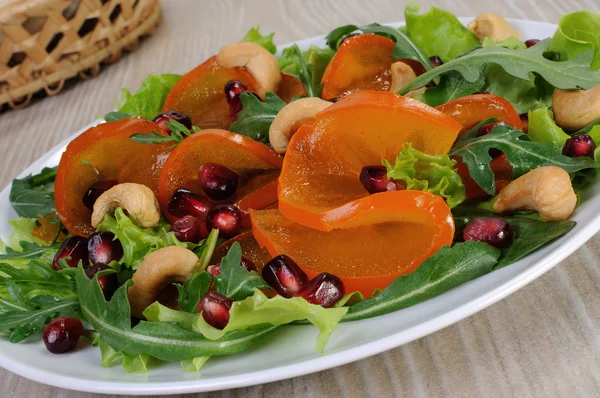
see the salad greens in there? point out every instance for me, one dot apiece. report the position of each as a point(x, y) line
point(317, 57)
point(577, 33)
point(178, 133)
point(256, 116)
point(542, 128)
point(33, 196)
point(265, 41)
point(234, 281)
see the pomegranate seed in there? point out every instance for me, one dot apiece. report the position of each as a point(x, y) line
point(525, 120)
point(108, 283)
point(235, 106)
point(579, 145)
point(226, 218)
point(284, 275)
point(374, 179)
point(485, 130)
point(62, 334)
point(215, 270)
point(217, 181)
point(233, 88)
point(162, 118)
point(324, 289)
point(187, 203)
point(189, 229)
point(104, 248)
point(215, 309)
point(436, 61)
point(531, 42)
point(494, 231)
point(75, 247)
point(95, 190)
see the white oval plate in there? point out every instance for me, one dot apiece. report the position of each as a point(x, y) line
point(291, 351)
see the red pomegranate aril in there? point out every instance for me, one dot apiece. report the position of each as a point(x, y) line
point(74, 247)
point(485, 130)
point(62, 334)
point(215, 269)
point(108, 283)
point(162, 118)
point(226, 218)
point(324, 289)
point(579, 145)
point(436, 61)
point(95, 190)
point(284, 275)
point(187, 203)
point(189, 229)
point(235, 106)
point(233, 88)
point(217, 181)
point(374, 179)
point(531, 42)
point(494, 231)
point(104, 248)
point(215, 309)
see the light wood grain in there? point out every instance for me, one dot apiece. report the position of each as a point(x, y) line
point(542, 341)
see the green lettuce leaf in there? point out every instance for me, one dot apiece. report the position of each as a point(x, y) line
point(435, 174)
point(315, 56)
point(33, 196)
point(148, 100)
point(577, 33)
point(521, 93)
point(253, 311)
point(265, 41)
point(438, 32)
point(255, 118)
point(542, 128)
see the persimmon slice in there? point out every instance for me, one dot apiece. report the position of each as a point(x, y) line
point(476, 108)
point(319, 186)
point(502, 174)
point(104, 152)
point(361, 63)
point(407, 227)
point(290, 87)
point(199, 94)
point(256, 164)
point(250, 248)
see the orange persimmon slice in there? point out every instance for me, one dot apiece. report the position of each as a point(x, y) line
point(290, 87)
point(256, 164)
point(250, 248)
point(319, 186)
point(104, 152)
point(200, 94)
point(361, 63)
point(476, 108)
point(406, 227)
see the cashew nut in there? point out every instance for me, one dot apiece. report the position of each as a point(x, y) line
point(493, 26)
point(545, 189)
point(137, 199)
point(402, 74)
point(575, 109)
point(291, 117)
point(260, 63)
point(159, 269)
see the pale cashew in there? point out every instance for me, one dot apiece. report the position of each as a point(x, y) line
point(575, 109)
point(545, 189)
point(402, 74)
point(137, 199)
point(493, 26)
point(260, 63)
point(158, 270)
point(291, 117)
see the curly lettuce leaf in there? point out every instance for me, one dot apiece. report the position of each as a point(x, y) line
point(265, 41)
point(435, 174)
point(149, 99)
point(542, 128)
point(253, 311)
point(438, 32)
point(577, 33)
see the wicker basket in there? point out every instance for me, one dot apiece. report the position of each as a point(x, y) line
point(45, 42)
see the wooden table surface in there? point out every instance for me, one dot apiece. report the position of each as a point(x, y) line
point(541, 341)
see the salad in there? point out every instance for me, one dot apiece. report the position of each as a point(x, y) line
point(315, 187)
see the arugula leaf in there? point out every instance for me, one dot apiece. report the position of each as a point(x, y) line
point(29, 251)
point(452, 86)
point(265, 41)
point(178, 133)
point(522, 154)
point(115, 116)
point(446, 269)
point(571, 74)
point(542, 128)
point(234, 281)
point(193, 290)
point(587, 129)
point(148, 100)
point(438, 32)
point(256, 116)
point(32, 197)
point(420, 171)
point(313, 89)
point(335, 37)
point(36, 280)
point(578, 33)
point(522, 94)
point(317, 58)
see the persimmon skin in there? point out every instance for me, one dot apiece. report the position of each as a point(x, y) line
point(199, 94)
point(104, 152)
point(361, 63)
